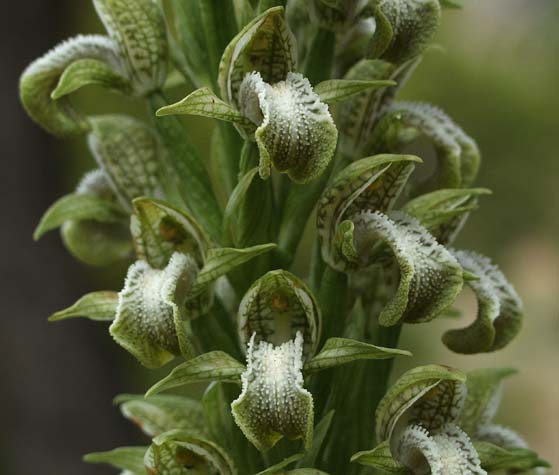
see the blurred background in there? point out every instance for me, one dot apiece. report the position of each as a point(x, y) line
point(496, 74)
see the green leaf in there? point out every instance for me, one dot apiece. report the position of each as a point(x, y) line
point(41, 78)
point(138, 27)
point(339, 351)
point(497, 458)
point(205, 103)
point(336, 90)
point(88, 72)
point(305, 471)
point(99, 306)
point(278, 467)
point(220, 261)
point(159, 229)
point(213, 366)
point(150, 321)
point(130, 154)
point(380, 458)
point(450, 4)
point(266, 46)
point(319, 435)
point(123, 458)
point(444, 212)
point(158, 414)
point(78, 207)
point(296, 133)
point(372, 183)
point(500, 310)
point(458, 155)
point(430, 276)
point(431, 396)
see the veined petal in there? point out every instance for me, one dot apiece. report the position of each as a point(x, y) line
point(372, 183)
point(273, 402)
point(138, 27)
point(276, 308)
point(500, 309)
point(265, 45)
point(296, 132)
point(430, 276)
point(41, 78)
point(458, 155)
point(149, 321)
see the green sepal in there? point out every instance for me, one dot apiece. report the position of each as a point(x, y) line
point(79, 207)
point(213, 366)
point(496, 458)
point(150, 321)
point(380, 458)
point(339, 351)
point(278, 468)
point(444, 212)
point(203, 102)
point(430, 276)
point(41, 78)
point(220, 261)
point(405, 28)
point(159, 229)
point(138, 27)
point(99, 306)
point(180, 453)
point(162, 413)
point(431, 396)
point(89, 72)
point(458, 155)
point(336, 90)
point(130, 154)
point(123, 458)
point(372, 183)
point(500, 310)
point(264, 45)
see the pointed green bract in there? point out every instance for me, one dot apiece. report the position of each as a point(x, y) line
point(42, 77)
point(89, 72)
point(123, 458)
point(278, 468)
point(430, 276)
point(213, 366)
point(336, 90)
point(273, 403)
point(372, 183)
point(99, 306)
point(150, 321)
point(276, 308)
point(339, 351)
point(380, 458)
point(264, 45)
point(137, 26)
point(496, 458)
point(500, 311)
point(158, 414)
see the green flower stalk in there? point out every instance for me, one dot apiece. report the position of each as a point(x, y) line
point(305, 95)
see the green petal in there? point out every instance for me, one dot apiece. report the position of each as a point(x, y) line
point(430, 276)
point(277, 307)
point(430, 396)
point(158, 414)
point(444, 212)
point(123, 458)
point(130, 154)
point(99, 306)
point(339, 351)
point(458, 155)
point(296, 133)
point(265, 45)
point(138, 27)
point(42, 77)
point(500, 312)
point(372, 183)
point(150, 316)
point(407, 27)
point(213, 366)
point(273, 403)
